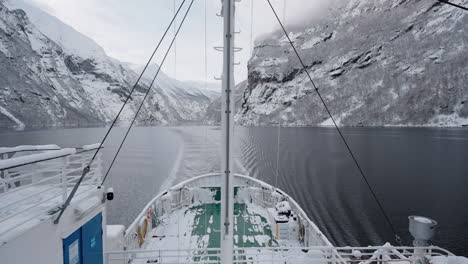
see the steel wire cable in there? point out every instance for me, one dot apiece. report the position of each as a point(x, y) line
point(345, 142)
point(87, 168)
point(147, 93)
point(453, 4)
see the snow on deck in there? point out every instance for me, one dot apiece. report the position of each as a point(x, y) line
point(198, 227)
point(448, 260)
point(25, 208)
point(33, 187)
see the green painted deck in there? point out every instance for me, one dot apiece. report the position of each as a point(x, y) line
point(250, 229)
point(198, 226)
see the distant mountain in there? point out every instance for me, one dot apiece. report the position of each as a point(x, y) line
point(213, 112)
point(376, 63)
point(52, 75)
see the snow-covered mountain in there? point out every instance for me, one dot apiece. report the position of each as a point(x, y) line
point(376, 62)
point(52, 75)
point(213, 113)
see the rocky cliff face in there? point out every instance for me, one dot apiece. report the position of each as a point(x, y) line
point(52, 75)
point(213, 113)
point(386, 62)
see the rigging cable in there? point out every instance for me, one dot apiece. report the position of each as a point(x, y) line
point(206, 45)
point(88, 166)
point(147, 92)
point(279, 121)
point(205, 218)
point(251, 25)
point(397, 238)
point(175, 43)
point(452, 4)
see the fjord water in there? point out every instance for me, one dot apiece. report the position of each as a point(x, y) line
point(418, 171)
point(414, 171)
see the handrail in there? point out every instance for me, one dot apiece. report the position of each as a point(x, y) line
point(34, 194)
point(49, 182)
point(31, 173)
point(313, 233)
point(34, 216)
point(40, 160)
point(157, 197)
point(195, 255)
point(24, 148)
point(293, 255)
point(35, 158)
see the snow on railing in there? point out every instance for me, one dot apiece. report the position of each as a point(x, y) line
point(162, 204)
point(197, 255)
point(38, 184)
point(291, 255)
point(34, 158)
point(268, 196)
point(180, 195)
point(8, 151)
point(338, 255)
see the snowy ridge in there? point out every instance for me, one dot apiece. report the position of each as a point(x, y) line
point(376, 63)
point(68, 38)
point(56, 76)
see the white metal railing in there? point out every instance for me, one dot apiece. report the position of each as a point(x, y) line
point(163, 204)
point(167, 256)
point(283, 255)
point(317, 248)
point(8, 152)
point(37, 184)
point(338, 255)
point(180, 195)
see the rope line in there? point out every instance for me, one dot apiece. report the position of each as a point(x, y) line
point(206, 45)
point(397, 238)
point(175, 44)
point(452, 4)
point(277, 153)
point(88, 167)
point(147, 92)
point(251, 25)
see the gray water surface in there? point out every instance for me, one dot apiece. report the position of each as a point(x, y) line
point(412, 170)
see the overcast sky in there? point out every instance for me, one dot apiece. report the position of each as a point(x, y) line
point(128, 30)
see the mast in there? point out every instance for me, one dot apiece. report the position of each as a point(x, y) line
point(227, 206)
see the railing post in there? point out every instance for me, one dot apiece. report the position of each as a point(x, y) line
point(2, 172)
point(333, 256)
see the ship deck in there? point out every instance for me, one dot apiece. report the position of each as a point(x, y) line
point(35, 184)
point(30, 206)
point(198, 227)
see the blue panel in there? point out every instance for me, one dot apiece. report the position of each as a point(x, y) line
point(91, 235)
point(72, 248)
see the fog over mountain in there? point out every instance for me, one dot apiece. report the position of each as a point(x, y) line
point(376, 63)
point(53, 75)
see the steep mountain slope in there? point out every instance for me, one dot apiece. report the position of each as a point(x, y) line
point(53, 75)
point(190, 98)
point(213, 112)
point(386, 62)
